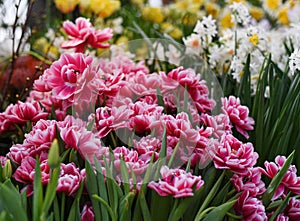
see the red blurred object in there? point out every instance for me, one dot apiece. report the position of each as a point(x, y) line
point(26, 70)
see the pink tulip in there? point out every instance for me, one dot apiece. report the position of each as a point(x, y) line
point(69, 179)
point(37, 141)
point(238, 115)
point(5, 124)
point(293, 209)
point(73, 78)
point(21, 112)
point(250, 208)
point(82, 34)
point(235, 156)
point(251, 183)
point(219, 123)
point(131, 159)
point(87, 213)
point(26, 171)
point(176, 182)
point(196, 88)
point(121, 65)
point(147, 144)
point(290, 180)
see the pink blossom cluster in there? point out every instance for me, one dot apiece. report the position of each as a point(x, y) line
point(82, 34)
point(176, 182)
point(20, 113)
point(251, 187)
point(130, 125)
point(238, 115)
point(37, 144)
point(290, 181)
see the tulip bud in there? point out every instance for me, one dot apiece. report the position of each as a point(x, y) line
point(53, 157)
point(7, 169)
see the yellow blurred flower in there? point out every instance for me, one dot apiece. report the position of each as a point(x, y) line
point(226, 22)
point(153, 14)
point(190, 19)
point(122, 40)
point(272, 4)
point(102, 8)
point(66, 6)
point(256, 13)
point(191, 6)
point(84, 7)
point(212, 9)
point(43, 46)
point(138, 3)
point(283, 17)
point(171, 30)
point(237, 1)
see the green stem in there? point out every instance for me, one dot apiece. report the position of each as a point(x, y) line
point(113, 139)
point(107, 207)
point(36, 55)
point(211, 195)
point(234, 216)
point(204, 212)
point(173, 154)
point(62, 208)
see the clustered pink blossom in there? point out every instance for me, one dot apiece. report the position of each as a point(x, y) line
point(20, 113)
point(250, 208)
point(290, 181)
point(82, 34)
point(197, 89)
point(234, 155)
point(176, 182)
point(128, 125)
point(251, 182)
point(238, 115)
point(69, 179)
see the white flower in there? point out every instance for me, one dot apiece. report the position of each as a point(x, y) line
point(173, 55)
point(50, 34)
point(240, 13)
point(237, 68)
point(217, 55)
point(193, 44)
point(199, 29)
point(294, 62)
point(206, 29)
point(156, 52)
point(209, 25)
point(117, 25)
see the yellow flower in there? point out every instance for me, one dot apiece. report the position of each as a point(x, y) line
point(153, 14)
point(122, 40)
point(226, 21)
point(42, 45)
point(171, 30)
point(256, 13)
point(191, 6)
point(189, 19)
point(254, 39)
point(273, 4)
point(139, 3)
point(237, 1)
point(66, 6)
point(283, 17)
point(104, 8)
point(212, 9)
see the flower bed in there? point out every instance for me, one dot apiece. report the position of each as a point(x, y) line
point(197, 125)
